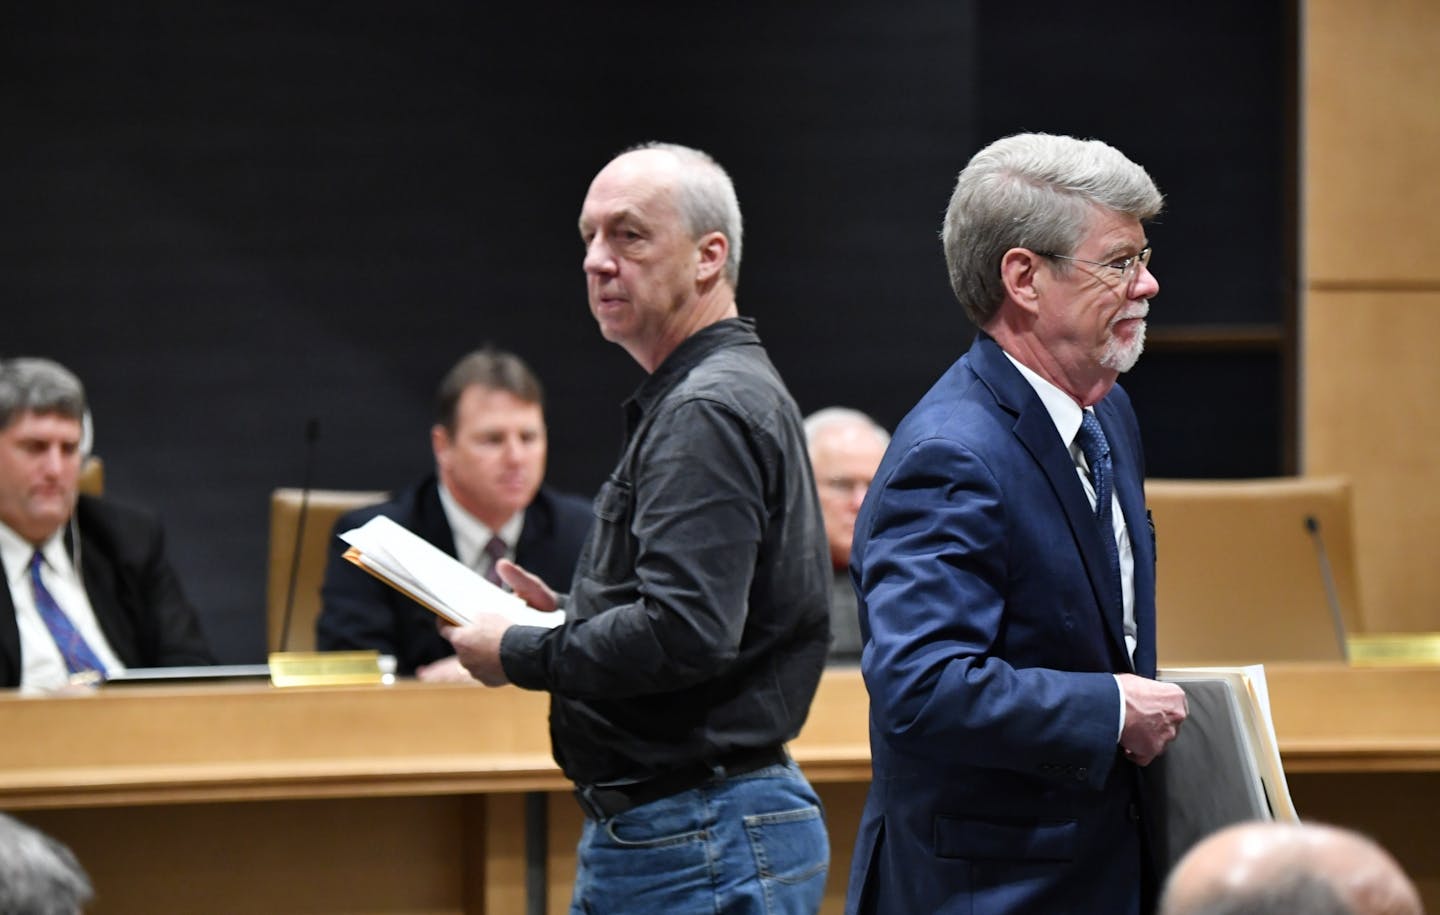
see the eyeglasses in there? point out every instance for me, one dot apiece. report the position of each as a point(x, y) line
point(846, 486)
point(1123, 266)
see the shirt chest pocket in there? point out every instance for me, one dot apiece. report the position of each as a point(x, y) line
point(613, 550)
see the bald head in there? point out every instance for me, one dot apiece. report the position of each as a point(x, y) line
point(1263, 867)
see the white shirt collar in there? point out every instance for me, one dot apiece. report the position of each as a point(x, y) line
point(471, 534)
point(15, 552)
point(1064, 412)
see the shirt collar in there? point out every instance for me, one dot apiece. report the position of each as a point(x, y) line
point(1064, 412)
point(470, 533)
point(690, 353)
point(15, 553)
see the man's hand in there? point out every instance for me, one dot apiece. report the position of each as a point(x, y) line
point(1153, 712)
point(445, 670)
point(529, 587)
point(478, 646)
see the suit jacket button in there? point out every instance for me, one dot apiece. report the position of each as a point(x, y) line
point(1081, 772)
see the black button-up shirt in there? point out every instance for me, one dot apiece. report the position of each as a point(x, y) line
point(698, 617)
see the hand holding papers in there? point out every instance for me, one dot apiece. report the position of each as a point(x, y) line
point(440, 583)
point(1224, 767)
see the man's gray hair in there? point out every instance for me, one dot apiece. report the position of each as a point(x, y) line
point(706, 200)
point(38, 875)
point(32, 385)
point(817, 423)
point(1036, 191)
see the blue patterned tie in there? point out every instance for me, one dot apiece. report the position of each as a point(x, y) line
point(78, 655)
point(1097, 455)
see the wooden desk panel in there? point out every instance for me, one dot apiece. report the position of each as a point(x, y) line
point(408, 798)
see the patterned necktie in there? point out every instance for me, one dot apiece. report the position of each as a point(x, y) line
point(1097, 455)
point(496, 550)
point(78, 655)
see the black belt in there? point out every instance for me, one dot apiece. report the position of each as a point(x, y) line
point(601, 802)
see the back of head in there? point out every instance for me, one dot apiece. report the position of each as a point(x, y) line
point(38, 875)
point(1034, 191)
point(1265, 867)
point(33, 385)
point(706, 199)
point(488, 368)
point(1292, 894)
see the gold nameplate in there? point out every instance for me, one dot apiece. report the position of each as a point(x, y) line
point(1395, 648)
point(325, 668)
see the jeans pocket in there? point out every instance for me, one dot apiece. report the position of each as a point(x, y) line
point(645, 827)
point(790, 846)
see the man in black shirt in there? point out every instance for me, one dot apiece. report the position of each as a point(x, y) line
point(697, 623)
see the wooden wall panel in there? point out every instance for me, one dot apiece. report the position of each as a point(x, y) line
point(1372, 141)
point(1371, 379)
point(1371, 229)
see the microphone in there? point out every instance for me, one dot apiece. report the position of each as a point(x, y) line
point(312, 435)
point(1312, 524)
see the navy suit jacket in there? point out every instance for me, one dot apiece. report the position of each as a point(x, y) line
point(359, 611)
point(134, 592)
point(992, 631)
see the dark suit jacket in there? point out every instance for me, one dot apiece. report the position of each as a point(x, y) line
point(359, 611)
point(135, 593)
point(993, 631)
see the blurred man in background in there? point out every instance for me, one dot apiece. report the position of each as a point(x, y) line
point(484, 502)
point(90, 592)
point(1268, 868)
point(845, 449)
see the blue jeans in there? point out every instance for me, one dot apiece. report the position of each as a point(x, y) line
point(754, 844)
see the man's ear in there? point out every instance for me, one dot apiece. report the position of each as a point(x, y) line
point(712, 249)
point(1020, 272)
point(439, 441)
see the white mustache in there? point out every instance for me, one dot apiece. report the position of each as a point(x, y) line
point(1140, 311)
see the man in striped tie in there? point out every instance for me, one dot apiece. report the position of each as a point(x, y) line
point(89, 590)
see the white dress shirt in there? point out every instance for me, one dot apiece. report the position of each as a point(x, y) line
point(472, 535)
point(42, 665)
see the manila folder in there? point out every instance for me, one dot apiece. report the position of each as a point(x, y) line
point(431, 577)
point(1224, 766)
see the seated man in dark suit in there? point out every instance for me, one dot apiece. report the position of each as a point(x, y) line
point(89, 592)
point(487, 503)
point(845, 448)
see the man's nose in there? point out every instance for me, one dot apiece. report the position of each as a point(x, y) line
point(597, 257)
point(53, 461)
point(1146, 285)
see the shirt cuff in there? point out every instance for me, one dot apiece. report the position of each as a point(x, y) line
point(1120, 691)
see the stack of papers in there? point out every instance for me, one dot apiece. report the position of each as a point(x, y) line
point(437, 581)
point(1224, 767)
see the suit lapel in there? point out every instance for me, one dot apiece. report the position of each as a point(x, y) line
point(100, 577)
point(1036, 431)
point(9, 637)
point(430, 520)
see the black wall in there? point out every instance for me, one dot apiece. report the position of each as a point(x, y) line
point(231, 217)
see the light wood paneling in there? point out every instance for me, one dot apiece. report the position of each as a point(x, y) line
point(1372, 374)
point(390, 855)
point(409, 799)
point(1372, 141)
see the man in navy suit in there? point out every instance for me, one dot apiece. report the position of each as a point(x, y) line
point(1005, 565)
point(483, 503)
